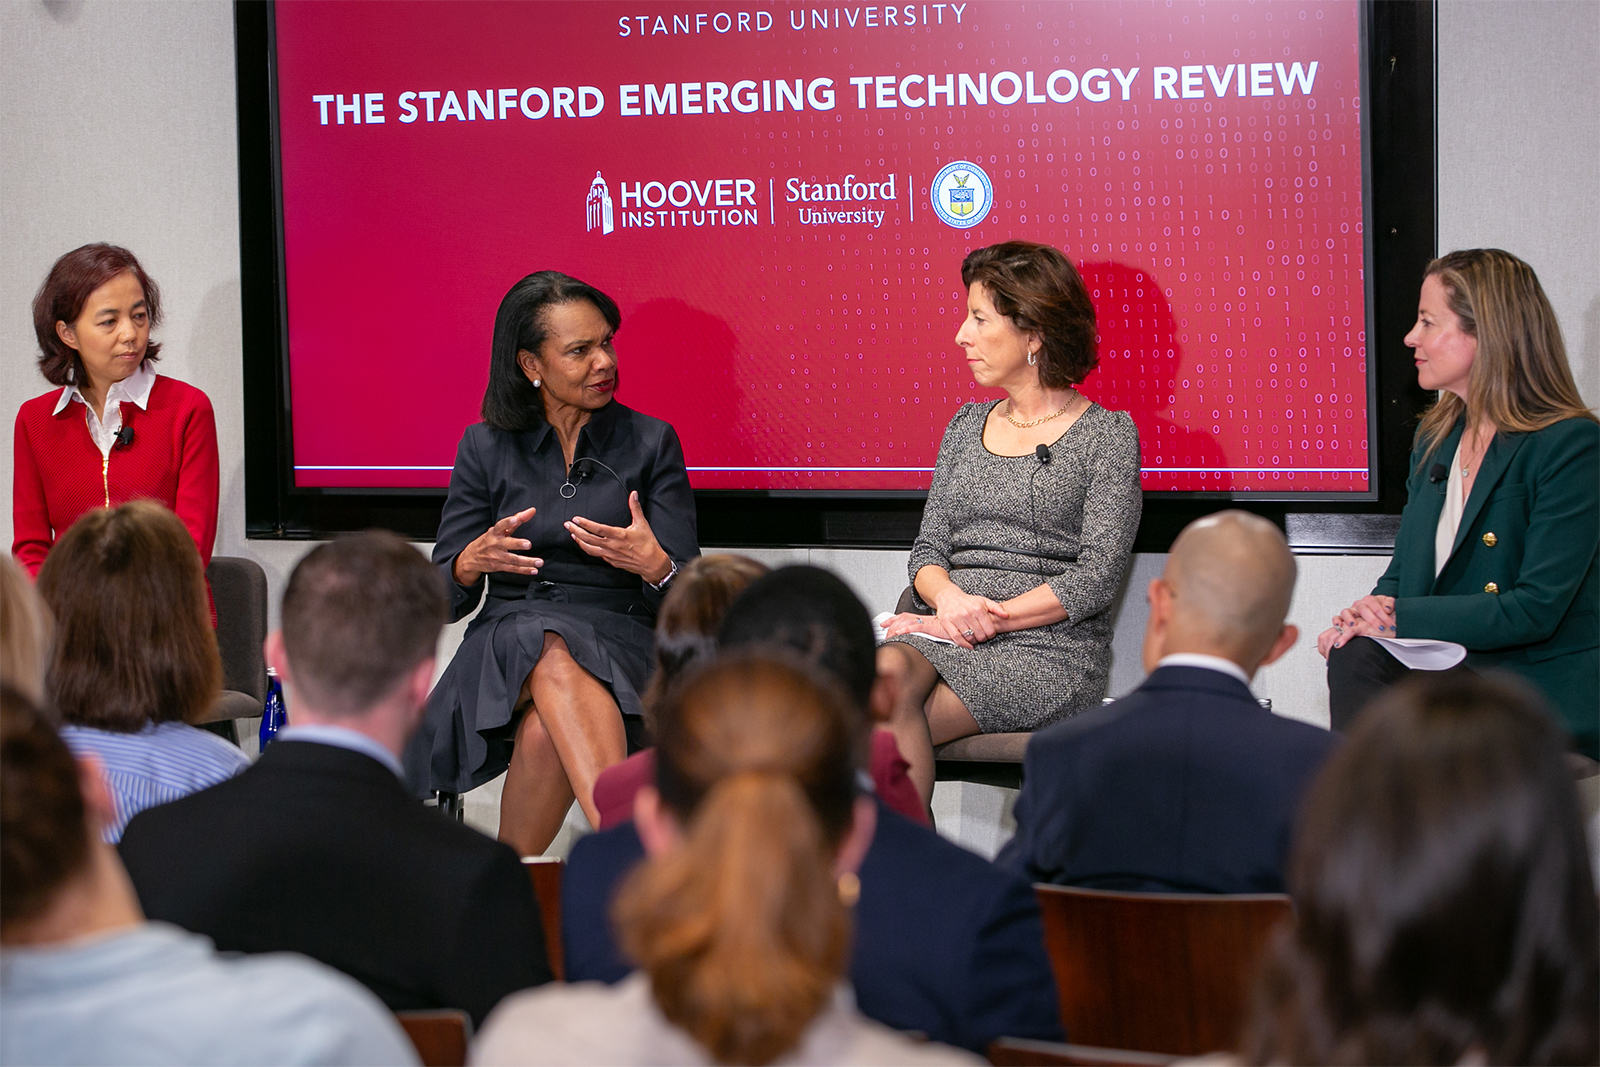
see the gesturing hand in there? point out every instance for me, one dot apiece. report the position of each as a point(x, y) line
point(496, 551)
point(632, 548)
point(966, 619)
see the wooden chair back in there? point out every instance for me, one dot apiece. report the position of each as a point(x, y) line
point(546, 876)
point(1021, 1052)
point(1168, 973)
point(440, 1035)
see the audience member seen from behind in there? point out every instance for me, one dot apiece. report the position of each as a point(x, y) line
point(1186, 784)
point(88, 981)
point(686, 635)
point(983, 975)
point(1499, 543)
point(801, 608)
point(112, 430)
point(135, 658)
point(319, 848)
point(1030, 518)
point(1444, 908)
point(25, 630)
point(740, 919)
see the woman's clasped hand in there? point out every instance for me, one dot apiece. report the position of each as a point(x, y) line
point(959, 617)
point(1371, 616)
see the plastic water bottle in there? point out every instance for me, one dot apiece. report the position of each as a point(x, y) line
point(274, 715)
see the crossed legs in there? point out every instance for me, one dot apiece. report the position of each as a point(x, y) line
point(570, 732)
point(926, 713)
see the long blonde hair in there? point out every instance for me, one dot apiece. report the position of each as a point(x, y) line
point(1520, 380)
point(25, 633)
point(741, 928)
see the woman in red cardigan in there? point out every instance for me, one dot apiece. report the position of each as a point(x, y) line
point(115, 430)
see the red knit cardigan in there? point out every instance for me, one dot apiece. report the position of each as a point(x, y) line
point(60, 474)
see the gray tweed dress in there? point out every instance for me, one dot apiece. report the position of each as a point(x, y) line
point(1002, 525)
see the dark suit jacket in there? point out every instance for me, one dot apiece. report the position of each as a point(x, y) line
point(945, 944)
point(319, 850)
point(1521, 589)
point(1184, 785)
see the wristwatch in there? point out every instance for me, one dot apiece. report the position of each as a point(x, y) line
point(663, 583)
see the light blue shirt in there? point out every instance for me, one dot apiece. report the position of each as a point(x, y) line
point(157, 765)
point(155, 994)
point(343, 737)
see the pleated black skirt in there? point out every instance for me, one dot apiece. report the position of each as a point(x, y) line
point(468, 729)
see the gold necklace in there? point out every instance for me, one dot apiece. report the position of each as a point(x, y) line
point(1039, 422)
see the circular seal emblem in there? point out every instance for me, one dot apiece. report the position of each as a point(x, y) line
point(962, 195)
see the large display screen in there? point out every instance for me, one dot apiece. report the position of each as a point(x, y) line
point(779, 197)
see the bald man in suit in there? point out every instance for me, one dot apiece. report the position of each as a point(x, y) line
point(1186, 784)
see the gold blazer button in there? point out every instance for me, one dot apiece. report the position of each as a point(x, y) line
point(1490, 539)
point(1490, 587)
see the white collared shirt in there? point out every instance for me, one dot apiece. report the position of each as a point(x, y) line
point(134, 389)
point(1210, 663)
point(321, 733)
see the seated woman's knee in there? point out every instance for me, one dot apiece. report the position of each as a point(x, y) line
point(555, 661)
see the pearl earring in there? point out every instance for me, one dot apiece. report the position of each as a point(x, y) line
point(537, 383)
point(1031, 357)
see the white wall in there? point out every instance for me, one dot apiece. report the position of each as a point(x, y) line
point(1519, 150)
point(117, 123)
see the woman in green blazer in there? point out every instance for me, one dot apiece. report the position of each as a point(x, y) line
point(1498, 542)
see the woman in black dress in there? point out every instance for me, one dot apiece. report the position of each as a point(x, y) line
point(574, 513)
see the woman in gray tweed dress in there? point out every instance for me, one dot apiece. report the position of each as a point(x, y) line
point(1030, 519)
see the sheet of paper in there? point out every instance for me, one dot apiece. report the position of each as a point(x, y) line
point(1422, 654)
point(879, 620)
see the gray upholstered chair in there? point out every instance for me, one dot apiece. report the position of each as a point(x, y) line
point(239, 588)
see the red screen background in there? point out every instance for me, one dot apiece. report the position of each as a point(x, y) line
point(1220, 235)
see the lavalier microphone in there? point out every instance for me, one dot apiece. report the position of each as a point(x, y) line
point(1043, 452)
point(125, 437)
point(1438, 472)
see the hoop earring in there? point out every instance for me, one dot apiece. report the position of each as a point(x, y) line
point(1032, 358)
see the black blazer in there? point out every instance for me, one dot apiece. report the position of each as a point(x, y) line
point(1184, 785)
point(945, 944)
point(319, 850)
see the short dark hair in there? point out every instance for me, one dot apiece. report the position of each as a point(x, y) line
point(67, 288)
point(1039, 290)
point(1443, 896)
point(134, 642)
point(510, 401)
point(358, 613)
point(44, 827)
point(686, 626)
point(813, 613)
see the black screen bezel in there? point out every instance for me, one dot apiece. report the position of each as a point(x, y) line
point(1398, 61)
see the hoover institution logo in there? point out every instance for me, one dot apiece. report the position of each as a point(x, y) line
point(599, 205)
point(962, 194)
point(683, 202)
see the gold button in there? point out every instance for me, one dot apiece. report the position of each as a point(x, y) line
point(1489, 539)
point(1490, 587)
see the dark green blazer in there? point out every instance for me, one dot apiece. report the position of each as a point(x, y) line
point(1521, 589)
